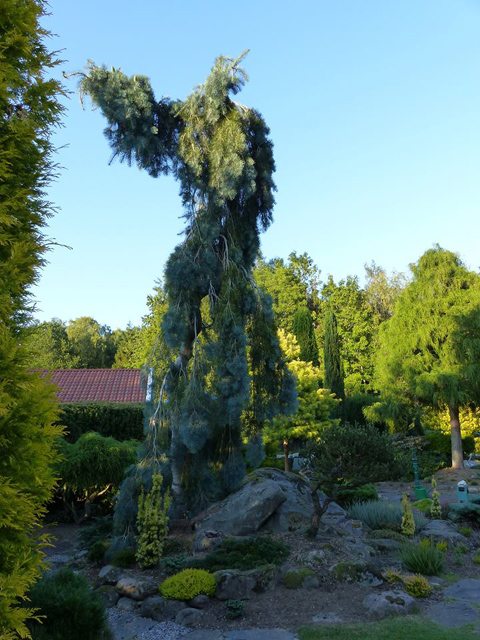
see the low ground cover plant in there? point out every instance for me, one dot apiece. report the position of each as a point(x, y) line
point(187, 584)
point(378, 514)
point(390, 629)
point(244, 554)
point(294, 579)
point(424, 558)
point(71, 608)
point(234, 609)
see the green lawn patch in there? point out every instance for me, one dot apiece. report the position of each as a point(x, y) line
point(413, 628)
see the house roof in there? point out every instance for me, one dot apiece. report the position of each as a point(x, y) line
point(98, 385)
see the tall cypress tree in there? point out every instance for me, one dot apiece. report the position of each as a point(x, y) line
point(305, 335)
point(220, 153)
point(333, 366)
point(28, 110)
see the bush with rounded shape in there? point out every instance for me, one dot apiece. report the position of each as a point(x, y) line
point(378, 514)
point(71, 608)
point(417, 586)
point(187, 584)
point(245, 554)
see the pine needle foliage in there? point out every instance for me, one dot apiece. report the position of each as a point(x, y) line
point(29, 109)
point(152, 523)
point(221, 155)
point(305, 334)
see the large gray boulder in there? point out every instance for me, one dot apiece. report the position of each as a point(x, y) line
point(442, 530)
point(389, 603)
point(297, 509)
point(245, 511)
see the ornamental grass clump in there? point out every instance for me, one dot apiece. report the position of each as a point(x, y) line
point(424, 558)
point(187, 584)
point(152, 523)
point(378, 514)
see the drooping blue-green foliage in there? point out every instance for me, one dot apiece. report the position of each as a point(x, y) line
point(221, 155)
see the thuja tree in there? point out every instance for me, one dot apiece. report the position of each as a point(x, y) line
point(332, 359)
point(305, 335)
point(221, 155)
point(430, 347)
point(28, 110)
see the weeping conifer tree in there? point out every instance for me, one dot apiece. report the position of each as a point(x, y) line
point(305, 335)
point(334, 376)
point(221, 155)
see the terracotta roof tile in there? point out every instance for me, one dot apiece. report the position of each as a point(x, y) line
point(98, 385)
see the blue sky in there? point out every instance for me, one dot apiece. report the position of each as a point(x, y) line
point(374, 110)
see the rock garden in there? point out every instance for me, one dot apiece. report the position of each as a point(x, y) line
point(248, 564)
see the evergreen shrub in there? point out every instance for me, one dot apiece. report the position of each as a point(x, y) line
point(152, 523)
point(466, 511)
point(124, 558)
point(294, 579)
point(424, 558)
point(244, 554)
point(122, 421)
point(408, 521)
point(71, 608)
point(91, 468)
point(365, 493)
point(417, 586)
point(187, 584)
point(378, 514)
point(234, 609)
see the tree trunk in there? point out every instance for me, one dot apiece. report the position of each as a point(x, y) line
point(285, 455)
point(457, 448)
point(318, 511)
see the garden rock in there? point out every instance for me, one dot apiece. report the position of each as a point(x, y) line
point(313, 558)
point(327, 618)
point(109, 595)
point(466, 589)
point(109, 575)
point(359, 572)
point(311, 582)
point(188, 617)
point(453, 614)
point(126, 604)
point(384, 545)
point(207, 541)
point(388, 603)
point(199, 602)
point(160, 609)
point(125, 625)
point(297, 509)
point(245, 511)
point(234, 585)
point(442, 530)
point(135, 587)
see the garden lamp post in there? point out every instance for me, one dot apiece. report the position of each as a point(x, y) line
point(420, 492)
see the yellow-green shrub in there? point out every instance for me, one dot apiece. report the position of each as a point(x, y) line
point(152, 523)
point(417, 586)
point(408, 521)
point(187, 584)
